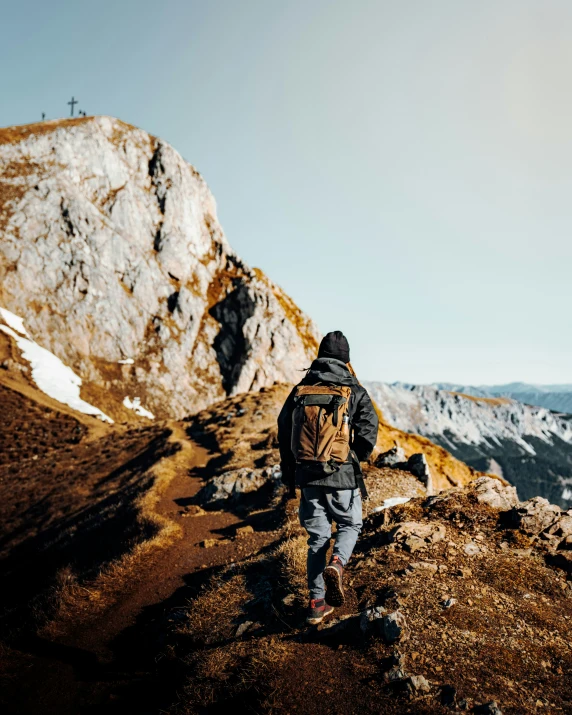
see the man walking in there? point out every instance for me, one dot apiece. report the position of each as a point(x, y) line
point(327, 426)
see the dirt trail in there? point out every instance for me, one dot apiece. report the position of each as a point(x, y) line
point(108, 665)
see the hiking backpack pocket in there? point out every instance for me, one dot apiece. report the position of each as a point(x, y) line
point(320, 424)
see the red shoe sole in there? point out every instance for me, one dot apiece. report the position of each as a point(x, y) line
point(334, 589)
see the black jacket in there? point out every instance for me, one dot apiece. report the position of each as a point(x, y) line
point(363, 425)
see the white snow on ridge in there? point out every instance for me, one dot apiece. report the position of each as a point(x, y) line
point(428, 411)
point(137, 407)
point(48, 372)
point(13, 321)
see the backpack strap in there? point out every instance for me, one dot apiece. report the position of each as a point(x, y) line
point(359, 476)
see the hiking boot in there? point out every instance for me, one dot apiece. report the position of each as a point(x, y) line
point(318, 610)
point(333, 575)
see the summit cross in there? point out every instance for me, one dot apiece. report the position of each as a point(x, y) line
point(72, 103)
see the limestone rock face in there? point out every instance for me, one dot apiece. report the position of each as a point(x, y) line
point(111, 251)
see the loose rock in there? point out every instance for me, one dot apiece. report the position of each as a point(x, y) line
point(393, 456)
point(242, 628)
point(418, 466)
point(236, 483)
point(394, 627)
point(534, 515)
point(414, 536)
point(494, 493)
point(417, 684)
point(243, 531)
point(371, 619)
point(490, 708)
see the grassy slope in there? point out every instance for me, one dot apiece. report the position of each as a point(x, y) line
point(75, 494)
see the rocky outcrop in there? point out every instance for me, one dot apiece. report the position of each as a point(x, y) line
point(237, 483)
point(416, 464)
point(530, 447)
point(494, 493)
point(111, 252)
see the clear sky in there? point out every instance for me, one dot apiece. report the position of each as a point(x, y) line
point(402, 169)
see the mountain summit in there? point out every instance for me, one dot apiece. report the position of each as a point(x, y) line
point(111, 251)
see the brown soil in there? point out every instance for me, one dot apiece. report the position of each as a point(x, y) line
point(507, 637)
point(114, 603)
point(101, 545)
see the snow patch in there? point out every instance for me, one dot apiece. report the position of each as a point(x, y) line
point(392, 501)
point(137, 407)
point(495, 468)
point(13, 321)
point(127, 361)
point(51, 375)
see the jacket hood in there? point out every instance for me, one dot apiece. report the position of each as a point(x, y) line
point(330, 370)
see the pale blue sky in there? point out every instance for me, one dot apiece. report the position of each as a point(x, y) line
point(402, 169)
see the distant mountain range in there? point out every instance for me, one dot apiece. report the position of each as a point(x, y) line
point(554, 397)
point(530, 446)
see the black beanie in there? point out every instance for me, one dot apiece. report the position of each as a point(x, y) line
point(335, 345)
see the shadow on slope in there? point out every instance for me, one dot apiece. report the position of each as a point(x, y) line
point(68, 502)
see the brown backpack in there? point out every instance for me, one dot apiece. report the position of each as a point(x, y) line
point(320, 425)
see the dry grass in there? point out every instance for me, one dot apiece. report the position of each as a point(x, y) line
point(291, 557)
point(88, 600)
point(15, 134)
point(506, 638)
point(215, 613)
point(486, 400)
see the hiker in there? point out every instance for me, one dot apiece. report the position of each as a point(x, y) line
point(326, 427)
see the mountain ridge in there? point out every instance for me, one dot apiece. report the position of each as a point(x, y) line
point(554, 397)
point(529, 446)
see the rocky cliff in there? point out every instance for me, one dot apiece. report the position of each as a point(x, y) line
point(529, 446)
point(111, 252)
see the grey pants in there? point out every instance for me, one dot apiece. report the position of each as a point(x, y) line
point(318, 507)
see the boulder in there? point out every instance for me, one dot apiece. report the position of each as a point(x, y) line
point(392, 457)
point(427, 568)
point(418, 466)
point(494, 493)
point(394, 627)
point(243, 531)
point(562, 527)
point(236, 483)
point(371, 619)
point(417, 684)
point(413, 535)
point(396, 674)
point(534, 515)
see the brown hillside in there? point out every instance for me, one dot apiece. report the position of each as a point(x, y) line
point(107, 610)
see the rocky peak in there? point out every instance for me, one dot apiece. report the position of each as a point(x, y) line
point(111, 251)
